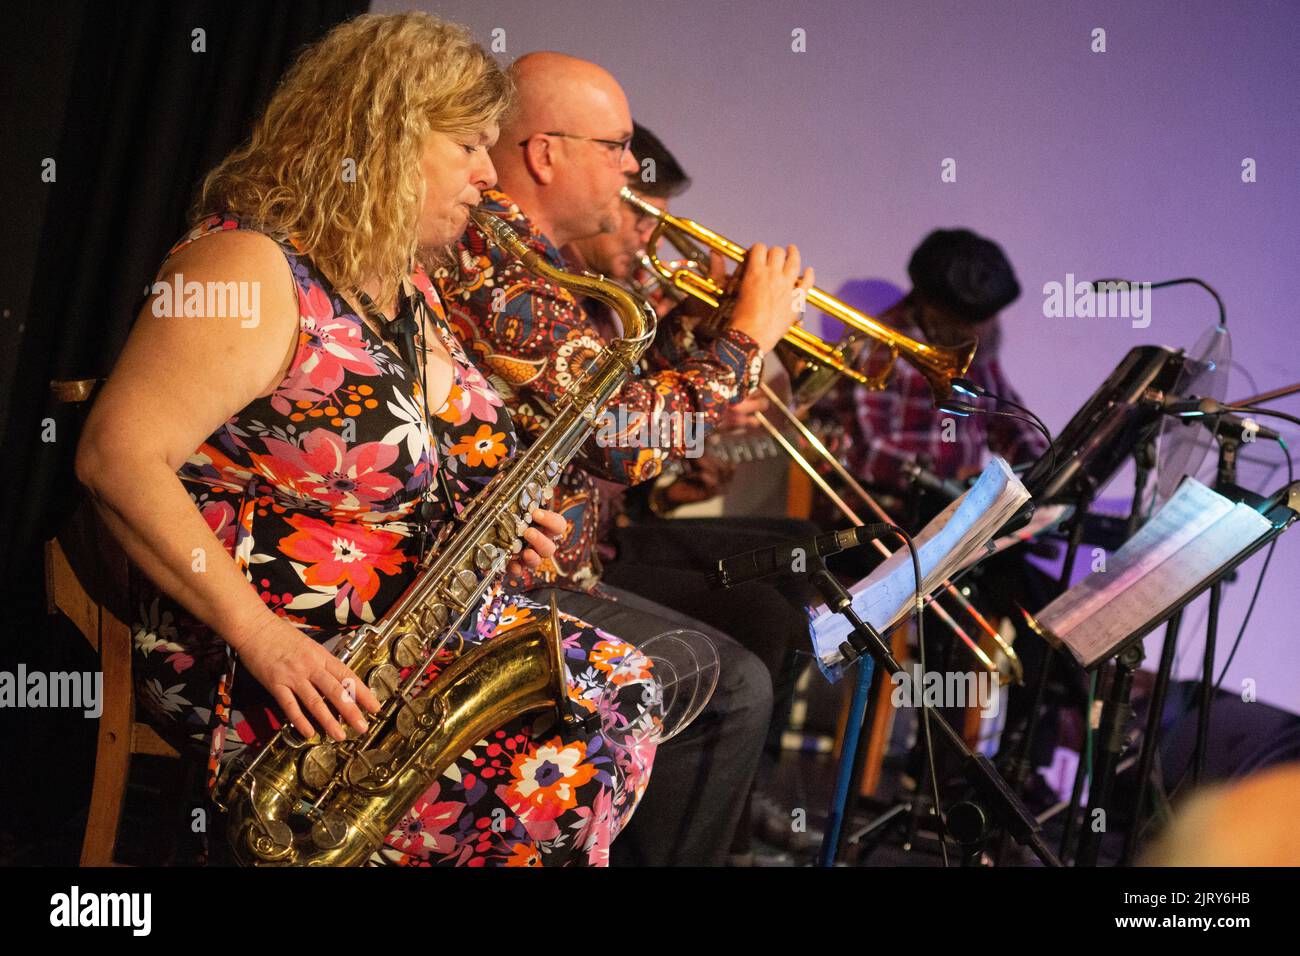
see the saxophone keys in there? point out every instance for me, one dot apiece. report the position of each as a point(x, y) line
point(272, 840)
point(383, 681)
point(434, 617)
point(329, 831)
point(485, 556)
point(420, 714)
point(289, 734)
point(408, 650)
point(318, 765)
point(462, 585)
point(369, 766)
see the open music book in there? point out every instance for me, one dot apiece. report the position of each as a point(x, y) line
point(957, 537)
point(1193, 534)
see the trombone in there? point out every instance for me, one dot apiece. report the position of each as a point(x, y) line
point(939, 365)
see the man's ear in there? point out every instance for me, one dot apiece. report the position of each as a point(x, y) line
point(539, 159)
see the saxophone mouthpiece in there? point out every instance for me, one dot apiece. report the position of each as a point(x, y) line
point(496, 228)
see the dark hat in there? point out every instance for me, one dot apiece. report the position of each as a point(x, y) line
point(966, 275)
point(669, 179)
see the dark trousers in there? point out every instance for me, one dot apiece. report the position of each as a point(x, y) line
point(701, 777)
point(667, 561)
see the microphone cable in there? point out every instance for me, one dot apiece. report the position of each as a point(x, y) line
point(919, 614)
point(977, 391)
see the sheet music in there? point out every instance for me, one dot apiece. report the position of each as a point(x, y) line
point(1191, 536)
point(959, 532)
point(1191, 510)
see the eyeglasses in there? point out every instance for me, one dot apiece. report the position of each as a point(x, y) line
point(617, 147)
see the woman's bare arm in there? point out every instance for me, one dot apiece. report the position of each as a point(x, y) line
point(178, 379)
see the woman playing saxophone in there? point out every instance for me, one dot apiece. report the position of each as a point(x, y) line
point(275, 473)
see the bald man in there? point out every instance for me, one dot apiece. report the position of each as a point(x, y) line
point(561, 159)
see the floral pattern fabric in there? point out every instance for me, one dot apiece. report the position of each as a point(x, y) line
point(314, 491)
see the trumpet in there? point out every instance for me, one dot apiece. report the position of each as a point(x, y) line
point(938, 364)
point(688, 276)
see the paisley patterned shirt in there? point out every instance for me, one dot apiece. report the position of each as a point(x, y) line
point(534, 338)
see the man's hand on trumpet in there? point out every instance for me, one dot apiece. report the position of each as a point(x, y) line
point(766, 304)
point(760, 295)
point(742, 415)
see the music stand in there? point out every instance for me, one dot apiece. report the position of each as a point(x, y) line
point(1116, 422)
point(1281, 510)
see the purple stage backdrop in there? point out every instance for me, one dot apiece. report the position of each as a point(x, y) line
point(1103, 139)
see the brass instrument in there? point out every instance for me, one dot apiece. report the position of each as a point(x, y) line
point(1015, 670)
point(939, 364)
point(320, 802)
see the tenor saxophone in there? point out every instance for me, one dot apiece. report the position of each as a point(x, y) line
point(318, 802)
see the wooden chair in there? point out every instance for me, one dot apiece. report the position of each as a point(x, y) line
point(86, 580)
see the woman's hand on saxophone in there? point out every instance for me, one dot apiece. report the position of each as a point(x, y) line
point(766, 304)
point(539, 540)
point(300, 674)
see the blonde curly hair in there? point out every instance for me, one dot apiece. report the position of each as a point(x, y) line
point(370, 91)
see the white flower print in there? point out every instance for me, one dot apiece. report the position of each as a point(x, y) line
point(164, 702)
point(155, 630)
point(414, 429)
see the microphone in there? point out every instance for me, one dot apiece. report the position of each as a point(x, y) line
point(1204, 408)
point(952, 490)
point(961, 409)
point(781, 558)
point(1187, 280)
point(402, 331)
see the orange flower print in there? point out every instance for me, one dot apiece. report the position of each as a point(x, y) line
point(342, 553)
point(524, 854)
point(512, 616)
point(609, 654)
point(546, 779)
point(452, 410)
point(631, 666)
point(486, 447)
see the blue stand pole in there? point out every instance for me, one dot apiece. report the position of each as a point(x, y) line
point(849, 748)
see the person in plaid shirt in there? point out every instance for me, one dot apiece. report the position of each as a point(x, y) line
point(960, 282)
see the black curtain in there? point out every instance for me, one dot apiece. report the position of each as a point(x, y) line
point(147, 113)
point(133, 113)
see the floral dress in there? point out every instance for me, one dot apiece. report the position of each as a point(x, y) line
point(314, 492)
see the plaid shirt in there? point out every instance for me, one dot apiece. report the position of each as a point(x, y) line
point(886, 429)
point(533, 338)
